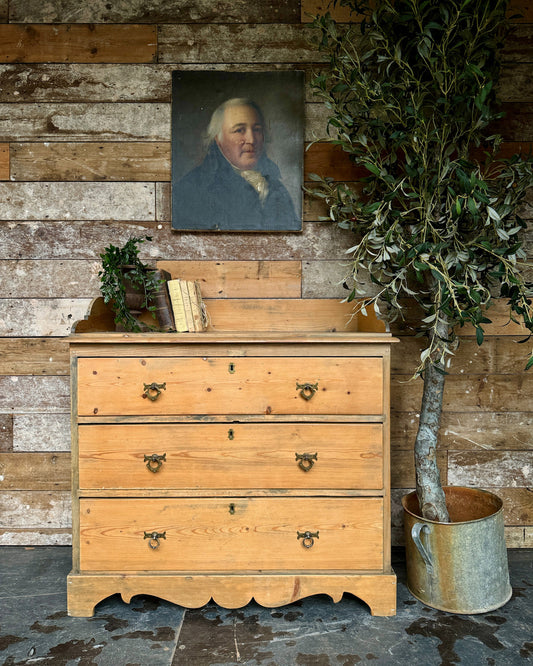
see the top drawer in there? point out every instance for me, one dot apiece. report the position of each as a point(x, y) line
point(220, 385)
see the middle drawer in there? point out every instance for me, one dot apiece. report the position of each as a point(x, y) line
point(238, 456)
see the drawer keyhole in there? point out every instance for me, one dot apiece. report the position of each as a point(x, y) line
point(232, 508)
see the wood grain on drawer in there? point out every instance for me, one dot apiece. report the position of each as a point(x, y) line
point(260, 455)
point(231, 534)
point(212, 385)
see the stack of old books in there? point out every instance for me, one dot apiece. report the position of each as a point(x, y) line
point(187, 305)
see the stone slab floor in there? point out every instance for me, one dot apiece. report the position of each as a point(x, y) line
point(35, 628)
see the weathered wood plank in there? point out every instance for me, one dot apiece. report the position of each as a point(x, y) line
point(77, 201)
point(517, 124)
point(4, 10)
point(63, 161)
point(79, 83)
point(6, 432)
point(77, 43)
point(28, 395)
point(240, 279)
point(41, 432)
point(471, 431)
point(275, 43)
point(497, 355)
point(34, 317)
point(486, 393)
point(78, 240)
point(517, 505)
point(491, 468)
point(33, 356)
point(50, 278)
point(35, 509)
point(4, 161)
point(34, 471)
point(156, 11)
point(36, 537)
point(519, 537)
point(85, 122)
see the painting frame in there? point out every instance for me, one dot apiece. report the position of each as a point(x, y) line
point(237, 151)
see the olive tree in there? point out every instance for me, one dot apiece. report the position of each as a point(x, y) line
point(410, 89)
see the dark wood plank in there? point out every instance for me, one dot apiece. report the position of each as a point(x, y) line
point(6, 432)
point(77, 43)
point(4, 161)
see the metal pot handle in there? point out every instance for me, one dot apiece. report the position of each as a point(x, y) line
point(416, 531)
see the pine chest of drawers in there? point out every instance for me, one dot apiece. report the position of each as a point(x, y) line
point(230, 467)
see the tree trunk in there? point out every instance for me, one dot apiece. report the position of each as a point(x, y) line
point(428, 483)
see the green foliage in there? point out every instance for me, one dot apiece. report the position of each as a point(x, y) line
point(411, 96)
point(118, 264)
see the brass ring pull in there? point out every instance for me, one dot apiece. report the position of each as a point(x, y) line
point(306, 460)
point(154, 462)
point(153, 391)
point(154, 538)
point(308, 538)
point(308, 390)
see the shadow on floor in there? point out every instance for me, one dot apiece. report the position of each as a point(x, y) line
point(35, 628)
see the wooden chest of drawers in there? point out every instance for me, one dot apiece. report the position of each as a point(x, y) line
point(231, 467)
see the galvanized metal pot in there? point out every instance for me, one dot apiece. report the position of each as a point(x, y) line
point(458, 567)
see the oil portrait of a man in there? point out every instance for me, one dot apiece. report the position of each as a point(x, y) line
point(233, 184)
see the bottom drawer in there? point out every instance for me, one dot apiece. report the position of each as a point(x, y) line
point(231, 534)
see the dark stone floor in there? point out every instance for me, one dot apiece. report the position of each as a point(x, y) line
point(35, 628)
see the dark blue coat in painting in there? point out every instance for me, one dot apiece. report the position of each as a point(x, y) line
point(213, 196)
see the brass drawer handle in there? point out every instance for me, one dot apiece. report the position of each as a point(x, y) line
point(306, 460)
point(153, 391)
point(154, 462)
point(154, 538)
point(308, 538)
point(307, 390)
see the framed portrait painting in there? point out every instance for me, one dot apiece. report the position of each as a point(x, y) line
point(237, 151)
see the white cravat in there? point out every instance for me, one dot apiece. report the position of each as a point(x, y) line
point(257, 181)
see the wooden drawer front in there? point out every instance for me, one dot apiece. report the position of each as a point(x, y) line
point(283, 455)
point(214, 385)
point(231, 534)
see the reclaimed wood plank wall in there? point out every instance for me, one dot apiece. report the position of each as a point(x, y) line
point(85, 161)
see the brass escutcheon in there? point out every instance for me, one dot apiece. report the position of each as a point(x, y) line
point(155, 461)
point(231, 368)
point(153, 391)
point(308, 390)
point(308, 538)
point(154, 538)
point(306, 460)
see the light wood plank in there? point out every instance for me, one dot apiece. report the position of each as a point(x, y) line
point(90, 161)
point(36, 537)
point(403, 468)
point(80, 201)
point(34, 471)
point(156, 11)
point(4, 161)
point(274, 43)
point(34, 317)
point(34, 43)
point(517, 505)
point(240, 279)
point(33, 356)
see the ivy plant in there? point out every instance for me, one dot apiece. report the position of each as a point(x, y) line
point(410, 89)
point(121, 264)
